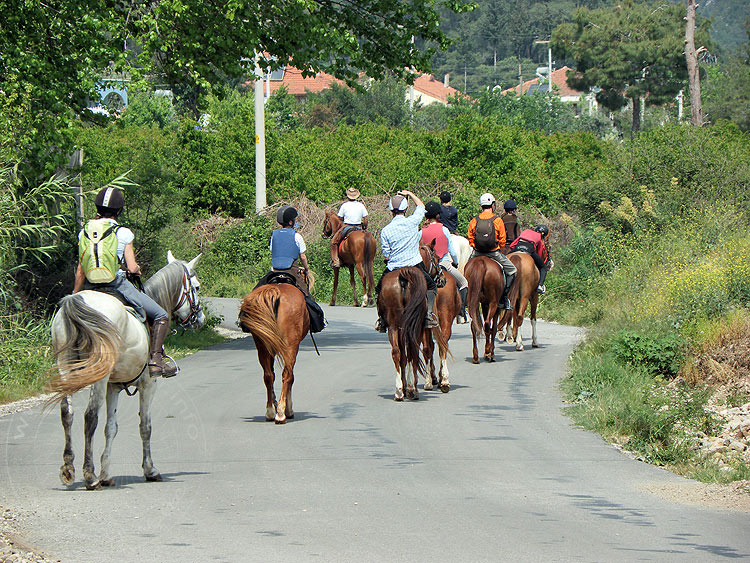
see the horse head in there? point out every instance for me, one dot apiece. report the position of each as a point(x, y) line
point(327, 226)
point(432, 262)
point(175, 287)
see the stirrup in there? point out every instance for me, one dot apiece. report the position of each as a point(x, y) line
point(380, 325)
point(541, 289)
point(431, 321)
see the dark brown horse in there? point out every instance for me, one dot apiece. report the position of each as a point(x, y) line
point(357, 250)
point(486, 286)
point(276, 316)
point(447, 305)
point(524, 295)
point(402, 302)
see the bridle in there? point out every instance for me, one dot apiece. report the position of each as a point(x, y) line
point(435, 271)
point(189, 295)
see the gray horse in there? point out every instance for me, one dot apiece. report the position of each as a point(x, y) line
point(98, 342)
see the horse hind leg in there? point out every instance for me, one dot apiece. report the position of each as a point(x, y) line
point(363, 278)
point(90, 421)
point(146, 391)
point(353, 283)
point(67, 470)
point(266, 362)
point(110, 431)
point(428, 350)
point(284, 409)
point(335, 286)
point(396, 355)
point(532, 315)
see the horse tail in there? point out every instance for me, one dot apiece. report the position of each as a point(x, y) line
point(86, 352)
point(412, 321)
point(474, 289)
point(258, 316)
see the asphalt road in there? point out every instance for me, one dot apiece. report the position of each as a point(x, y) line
point(492, 471)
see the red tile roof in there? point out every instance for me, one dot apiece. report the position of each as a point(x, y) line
point(426, 84)
point(559, 79)
point(297, 85)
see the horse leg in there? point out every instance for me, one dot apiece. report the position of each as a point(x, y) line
point(90, 420)
point(110, 431)
point(411, 387)
point(517, 322)
point(445, 384)
point(474, 349)
point(266, 362)
point(490, 328)
point(532, 316)
point(361, 272)
point(284, 410)
point(428, 349)
point(354, 286)
point(67, 470)
point(335, 286)
point(146, 391)
point(396, 356)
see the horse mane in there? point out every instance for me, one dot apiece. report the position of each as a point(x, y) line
point(165, 286)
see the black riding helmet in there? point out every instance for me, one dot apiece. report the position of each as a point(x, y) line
point(431, 209)
point(542, 230)
point(510, 205)
point(109, 201)
point(285, 214)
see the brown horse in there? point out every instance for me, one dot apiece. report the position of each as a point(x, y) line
point(523, 294)
point(357, 250)
point(447, 306)
point(486, 286)
point(402, 302)
point(276, 316)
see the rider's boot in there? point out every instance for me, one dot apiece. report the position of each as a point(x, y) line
point(431, 320)
point(463, 292)
point(156, 365)
point(505, 302)
point(380, 325)
point(542, 275)
point(335, 260)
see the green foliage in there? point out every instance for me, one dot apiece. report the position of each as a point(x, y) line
point(657, 354)
point(630, 51)
point(237, 259)
point(25, 357)
point(726, 91)
point(282, 111)
point(147, 109)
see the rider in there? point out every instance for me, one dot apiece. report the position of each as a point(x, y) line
point(448, 213)
point(399, 241)
point(487, 237)
point(288, 255)
point(447, 256)
point(354, 215)
point(109, 203)
point(531, 241)
point(510, 221)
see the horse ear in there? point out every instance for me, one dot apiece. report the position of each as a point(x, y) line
point(193, 262)
point(170, 257)
point(432, 244)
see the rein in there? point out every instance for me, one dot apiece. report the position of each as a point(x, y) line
point(189, 295)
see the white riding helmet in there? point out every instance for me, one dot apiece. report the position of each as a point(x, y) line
point(486, 199)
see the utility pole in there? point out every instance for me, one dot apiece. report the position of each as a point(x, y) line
point(260, 140)
point(411, 92)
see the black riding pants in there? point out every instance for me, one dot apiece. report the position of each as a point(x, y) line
point(431, 286)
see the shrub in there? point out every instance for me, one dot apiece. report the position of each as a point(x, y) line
point(657, 354)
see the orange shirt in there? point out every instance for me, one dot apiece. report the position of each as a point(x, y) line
point(499, 228)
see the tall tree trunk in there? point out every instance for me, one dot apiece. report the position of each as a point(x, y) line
point(636, 104)
point(691, 57)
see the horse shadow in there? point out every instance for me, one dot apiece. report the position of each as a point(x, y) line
point(298, 416)
point(127, 481)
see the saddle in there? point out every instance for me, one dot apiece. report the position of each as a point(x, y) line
point(317, 317)
point(349, 229)
point(280, 277)
point(139, 316)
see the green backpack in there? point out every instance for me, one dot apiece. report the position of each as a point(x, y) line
point(97, 251)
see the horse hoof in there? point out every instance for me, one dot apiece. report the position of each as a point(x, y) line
point(398, 399)
point(475, 360)
point(332, 304)
point(94, 485)
point(519, 348)
point(157, 478)
point(107, 482)
point(67, 474)
point(445, 387)
point(534, 345)
point(427, 386)
point(280, 420)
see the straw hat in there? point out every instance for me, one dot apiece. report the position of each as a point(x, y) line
point(352, 193)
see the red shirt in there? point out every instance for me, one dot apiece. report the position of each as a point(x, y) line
point(435, 231)
point(530, 235)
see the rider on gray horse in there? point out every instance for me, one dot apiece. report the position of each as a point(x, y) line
point(104, 246)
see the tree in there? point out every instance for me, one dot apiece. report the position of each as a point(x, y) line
point(629, 52)
point(53, 52)
point(691, 58)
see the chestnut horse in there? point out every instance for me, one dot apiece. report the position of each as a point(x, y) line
point(486, 286)
point(447, 306)
point(402, 302)
point(277, 317)
point(357, 249)
point(525, 294)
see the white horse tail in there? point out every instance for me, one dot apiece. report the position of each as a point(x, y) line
point(87, 349)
